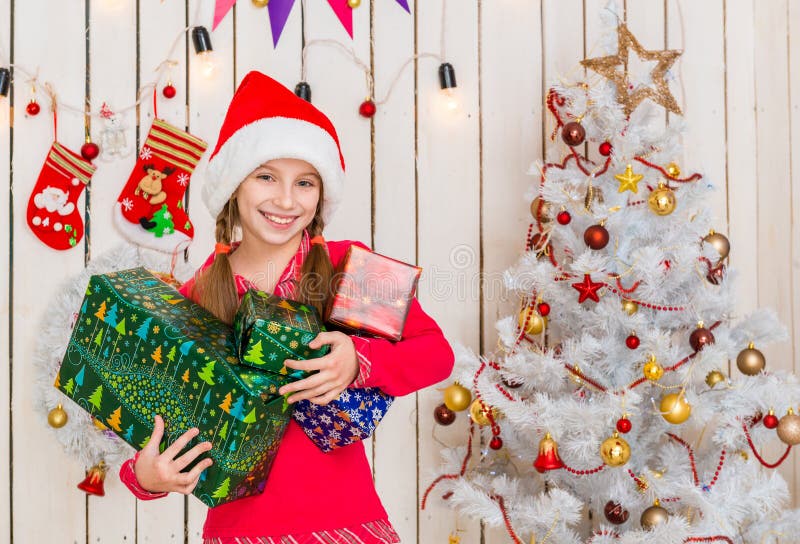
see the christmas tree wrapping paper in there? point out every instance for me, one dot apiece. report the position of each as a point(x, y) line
point(270, 329)
point(372, 293)
point(139, 348)
point(348, 419)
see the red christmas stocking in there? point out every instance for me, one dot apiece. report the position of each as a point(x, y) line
point(149, 210)
point(53, 214)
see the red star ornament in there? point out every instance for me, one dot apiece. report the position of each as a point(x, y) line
point(587, 289)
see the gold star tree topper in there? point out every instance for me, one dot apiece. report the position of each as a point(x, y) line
point(629, 97)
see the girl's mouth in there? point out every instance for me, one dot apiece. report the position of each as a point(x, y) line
point(277, 221)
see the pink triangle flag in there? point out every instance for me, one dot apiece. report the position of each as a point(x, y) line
point(344, 13)
point(221, 9)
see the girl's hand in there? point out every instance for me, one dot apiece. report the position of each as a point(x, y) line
point(159, 472)
point(337, 370)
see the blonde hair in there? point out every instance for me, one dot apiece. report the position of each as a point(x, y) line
point(215, 287)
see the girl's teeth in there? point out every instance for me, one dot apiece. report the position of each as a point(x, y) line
point(279, 220)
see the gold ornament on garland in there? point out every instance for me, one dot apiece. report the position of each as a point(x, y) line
point(630, 307)
point(654, 516)
point(615, 451)
point(652, 369)
point(662, 200)
point(457, 397)
point(714, 377)
point(629, 181)
point(627, 96)
point(674, 408)
point(674, 170)
point(260, 3)
point(353, 3)
point(57, 417)
point(789, 428)
point(478, 414)
point(535, 323)
point(750, 361)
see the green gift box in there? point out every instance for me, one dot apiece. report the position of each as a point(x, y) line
point(270, 329)
point(139, 348)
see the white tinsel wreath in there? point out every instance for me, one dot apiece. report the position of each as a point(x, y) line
point(80, 437)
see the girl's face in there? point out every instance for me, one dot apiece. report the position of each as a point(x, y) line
point(278, 200)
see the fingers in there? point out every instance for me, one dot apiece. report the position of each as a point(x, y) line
point(312, 381)
point(327, 398)
point(172, 451)
point(187, 489)
point(308, 365)
point(309, 393)
point(184, 460)
point(194, 474)
point(155, 436)
point(326, 337)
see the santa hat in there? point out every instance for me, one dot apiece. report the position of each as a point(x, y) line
point(266, 121)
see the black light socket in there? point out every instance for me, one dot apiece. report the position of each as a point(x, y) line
point(5, 81)
point(447, 76)
point(201, 39)
point(303, 90)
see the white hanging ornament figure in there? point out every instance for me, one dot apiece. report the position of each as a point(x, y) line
point(113, 141)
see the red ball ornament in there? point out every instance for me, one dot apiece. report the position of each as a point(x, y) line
point(367, 108)
point(632, 341)
point(444, 415)
point(511, 383)
point(596, 237)
point(90, 151)
point(544, 309)
point(33, 107)
point(169, 91)
point(563, 218)
point(716, 274)
point(624, 425)
point(573, 134)
point(605, 149)
point(770, 421)
point(700, 338)
point(615, 513)
point(496, 443)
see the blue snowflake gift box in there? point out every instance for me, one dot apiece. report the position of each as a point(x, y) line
point(270, 329)
point(348, 419)
point(139, 348)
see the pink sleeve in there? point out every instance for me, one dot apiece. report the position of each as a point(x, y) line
point(127, 476)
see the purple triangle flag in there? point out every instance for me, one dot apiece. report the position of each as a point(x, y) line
point(278, 14)
point(404, 4)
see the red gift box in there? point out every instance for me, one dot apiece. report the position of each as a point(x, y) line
point(372, 293)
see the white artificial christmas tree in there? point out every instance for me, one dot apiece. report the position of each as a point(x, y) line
point(578, 413)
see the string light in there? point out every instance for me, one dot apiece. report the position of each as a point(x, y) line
point(449, 97)
point(5, 81)
point(205, 52)
point(303, 90)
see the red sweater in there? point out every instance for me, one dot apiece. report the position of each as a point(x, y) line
point(310, 491)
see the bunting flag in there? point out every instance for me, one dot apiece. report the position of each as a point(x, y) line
point(279, 13)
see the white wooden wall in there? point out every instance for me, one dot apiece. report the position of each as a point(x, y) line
point(446, 194)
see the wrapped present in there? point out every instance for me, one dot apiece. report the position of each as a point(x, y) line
point(372, 293)
point(348, 419)
point(139, 348)
point(270, 329)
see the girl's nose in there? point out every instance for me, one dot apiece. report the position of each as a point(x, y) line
point(285, 198)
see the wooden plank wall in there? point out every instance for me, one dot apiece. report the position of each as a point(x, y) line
point(445, 192)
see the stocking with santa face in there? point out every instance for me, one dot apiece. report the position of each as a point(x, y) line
point(150, 210)
point(53, 213)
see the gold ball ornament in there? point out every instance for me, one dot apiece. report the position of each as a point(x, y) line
point(720, 243)
point(541, 210)
point(57, 417)
point(260, 3)
point(789, 429)
point(478, 414)
point(653, 516)
point(714, 377)
point(353, 3)
point(457, 397)
point(674, 170)
point(662, 200)
point(750, 361)
point(674, 408)
point(535, 322)
point(652, 369)
point(615, 451)
point(630, 307)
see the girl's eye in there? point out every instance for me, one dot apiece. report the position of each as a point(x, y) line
point(265, 177)
point(306, 182)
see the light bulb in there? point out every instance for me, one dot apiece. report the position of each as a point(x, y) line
point(208, 64)
point(450, 101)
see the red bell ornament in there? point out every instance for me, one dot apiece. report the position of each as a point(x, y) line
point(548, 458)
point(93, 483)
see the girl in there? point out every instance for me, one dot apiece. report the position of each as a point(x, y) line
point(276, 177)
